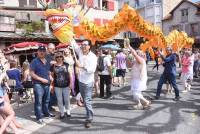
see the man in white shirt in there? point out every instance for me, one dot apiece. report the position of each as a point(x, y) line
point(105, 75)
point(87, 65)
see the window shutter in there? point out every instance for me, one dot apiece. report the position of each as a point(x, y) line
point(111, 5)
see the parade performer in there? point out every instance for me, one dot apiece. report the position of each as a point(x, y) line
point(139, 79)
point(169, 73)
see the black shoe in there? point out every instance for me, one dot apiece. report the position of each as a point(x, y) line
point(176, 98)
point(88, 124)
point(50, 115)
point(156, 97)
point(62, 117)
point(41, 122)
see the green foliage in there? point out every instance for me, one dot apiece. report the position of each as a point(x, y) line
point(35, 26)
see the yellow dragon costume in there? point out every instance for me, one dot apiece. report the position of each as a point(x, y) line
point(67, 23)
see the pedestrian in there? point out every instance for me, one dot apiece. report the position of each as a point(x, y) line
point(196, 62)
point(148, 56)
point(62, 84)
point(187, 62)
point(14, 74)
point(121, 67)
point(96, 75)
point(50, 57)
point(68, 58)
point(40, 73)
point(7, 115)
point(169, 73)
point(87, 64)
point(105, 75)
point(157, 56)
point(139, 79)
point(26, 77)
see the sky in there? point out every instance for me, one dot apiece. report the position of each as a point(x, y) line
point(195, 0)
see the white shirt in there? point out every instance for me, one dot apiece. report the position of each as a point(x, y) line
point(107, 63)
point(89, 62)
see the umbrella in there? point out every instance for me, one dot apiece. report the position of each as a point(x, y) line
point(110, 46)
point(23, 46)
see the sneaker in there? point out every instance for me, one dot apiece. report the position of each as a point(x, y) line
point(88, 124)
point(41, 122)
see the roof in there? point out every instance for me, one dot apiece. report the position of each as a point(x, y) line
point(169, 16)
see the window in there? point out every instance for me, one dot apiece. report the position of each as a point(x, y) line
point(108, 5)
point(176, 27)
point(7, 23)
point(194, 29)
point(184, 15)
point(27, 3)
point(22, 16)
point(151, 1)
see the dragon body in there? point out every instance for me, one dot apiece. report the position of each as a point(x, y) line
point(66, 24)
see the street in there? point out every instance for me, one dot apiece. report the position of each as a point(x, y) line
point(118, 116)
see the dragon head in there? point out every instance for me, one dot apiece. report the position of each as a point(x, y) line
point(63, 20)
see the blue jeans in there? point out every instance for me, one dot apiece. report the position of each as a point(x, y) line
point(171, 78)
point(42, 96)
point(86, 93)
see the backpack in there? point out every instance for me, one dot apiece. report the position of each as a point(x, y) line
point(100, 64)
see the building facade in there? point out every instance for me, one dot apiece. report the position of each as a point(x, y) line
point(184, 17)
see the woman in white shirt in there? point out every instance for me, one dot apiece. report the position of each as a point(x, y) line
point(139, 79)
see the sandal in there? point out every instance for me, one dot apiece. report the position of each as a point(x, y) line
point(147, 105)
point(138, 107)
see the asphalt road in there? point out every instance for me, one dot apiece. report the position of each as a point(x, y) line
point(117, 116)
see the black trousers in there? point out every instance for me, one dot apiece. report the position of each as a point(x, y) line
point(105, 79)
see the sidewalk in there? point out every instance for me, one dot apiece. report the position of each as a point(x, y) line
point(25, 116)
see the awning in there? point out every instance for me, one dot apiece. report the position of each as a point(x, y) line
point(23, 46)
